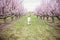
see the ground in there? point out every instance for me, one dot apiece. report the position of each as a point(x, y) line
point(38, 30)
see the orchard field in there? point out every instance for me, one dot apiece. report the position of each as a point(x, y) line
point(15, 19)
point(38, 30)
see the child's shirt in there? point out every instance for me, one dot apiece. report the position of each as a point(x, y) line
point(28, 18)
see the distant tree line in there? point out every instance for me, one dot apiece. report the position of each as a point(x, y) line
point(48, 8)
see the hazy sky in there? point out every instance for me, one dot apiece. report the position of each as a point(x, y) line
point(30, 5)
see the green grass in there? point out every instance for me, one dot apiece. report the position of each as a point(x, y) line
point(38, 30)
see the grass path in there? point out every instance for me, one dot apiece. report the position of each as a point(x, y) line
point(38, 30)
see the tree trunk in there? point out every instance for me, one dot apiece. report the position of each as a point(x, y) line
point(58, 17)
point(5, 20)
point(41, 17)
point(52, 19)
point(47, 18)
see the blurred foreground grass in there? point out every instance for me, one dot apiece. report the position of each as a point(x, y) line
point(38, 30)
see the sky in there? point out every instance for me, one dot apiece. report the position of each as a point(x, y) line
point(30, 5)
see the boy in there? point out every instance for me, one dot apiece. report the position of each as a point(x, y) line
point(29, 20)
